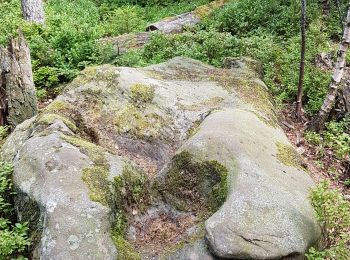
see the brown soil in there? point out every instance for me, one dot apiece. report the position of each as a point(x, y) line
point(321, 167)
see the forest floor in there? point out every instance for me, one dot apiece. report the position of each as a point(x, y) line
point(321, 166)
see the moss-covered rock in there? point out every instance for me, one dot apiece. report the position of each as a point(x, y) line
point(287, 155)
point(130, 120)
point(48, 119)
point(57, 106)
point(94, 152)
point(192, 185)
point(96, 178)
point(125, 250)
point(141, 93)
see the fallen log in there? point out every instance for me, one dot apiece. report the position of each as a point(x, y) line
point(169, 25)
point(174, 24)
point(126, 42)
point(177, 23)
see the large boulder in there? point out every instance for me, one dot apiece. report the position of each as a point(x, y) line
point(178, 160)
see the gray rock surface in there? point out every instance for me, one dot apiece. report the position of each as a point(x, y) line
point(66, 158)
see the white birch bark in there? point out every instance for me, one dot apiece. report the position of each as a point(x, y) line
point(33, 11)
point(318, 123)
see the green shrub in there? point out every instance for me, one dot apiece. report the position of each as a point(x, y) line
point(46, 77)
point(124, 20)
point(4, 131)
point(208, 46)
point(334, 136)
point(251, 17)
point(313, 138)
point(13, 237)
point(11, 19)
point(333, 213)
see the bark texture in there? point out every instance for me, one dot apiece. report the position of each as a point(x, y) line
point(126, 42)
point(33, 11)
point(302, 59)
point(175, 24)
point(17, 96)
point(318, 123)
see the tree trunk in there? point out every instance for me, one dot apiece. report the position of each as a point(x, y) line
point(318, 123)
point(17, 96)
point(33, 11)
point(302, 59)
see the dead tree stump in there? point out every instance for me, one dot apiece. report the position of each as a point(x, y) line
point(18, 100)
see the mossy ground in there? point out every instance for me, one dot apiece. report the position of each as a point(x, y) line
point(132, 197)
point(287, 155)
point(130, 120)
point(192, 185)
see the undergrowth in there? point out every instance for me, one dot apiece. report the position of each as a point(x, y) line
point(333, 214)
point(13, 236)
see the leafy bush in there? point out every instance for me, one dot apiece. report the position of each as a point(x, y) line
point(208, 46)
point(10, 17)
point(252, 17)
point(4, 131)
point(124, 20)
point(333, 213)
point(13, 238)
point(334, 136)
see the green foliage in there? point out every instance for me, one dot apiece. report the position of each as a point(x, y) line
point(124, 20)
point(13, 237)
point(313, 138)
point(334, 136)
point(208, 46)
point(333, 213)
point(4, 131)
point(10, 17)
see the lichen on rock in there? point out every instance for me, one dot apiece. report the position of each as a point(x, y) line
point(130, 120)
point(141, 93)
point(49, 118)
point(287, 155)
point(96, 178)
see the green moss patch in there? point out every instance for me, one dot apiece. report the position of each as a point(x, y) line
point(132, 196)
point(287, 155)
point(57, 106)
point(125, 250)
point(131, 121)
point(141, 93)
point(251, 92)
point(96, 178)
point(132, 190)
point(94, 152)
point(48, 119)
point(191, 185)
point(205, 10)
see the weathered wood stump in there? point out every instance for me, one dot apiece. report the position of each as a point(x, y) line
point(18, 100)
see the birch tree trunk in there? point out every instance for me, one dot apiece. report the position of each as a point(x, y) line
point(318, 122)
point(33, 11)
point(17, 96)
point(302, 59)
